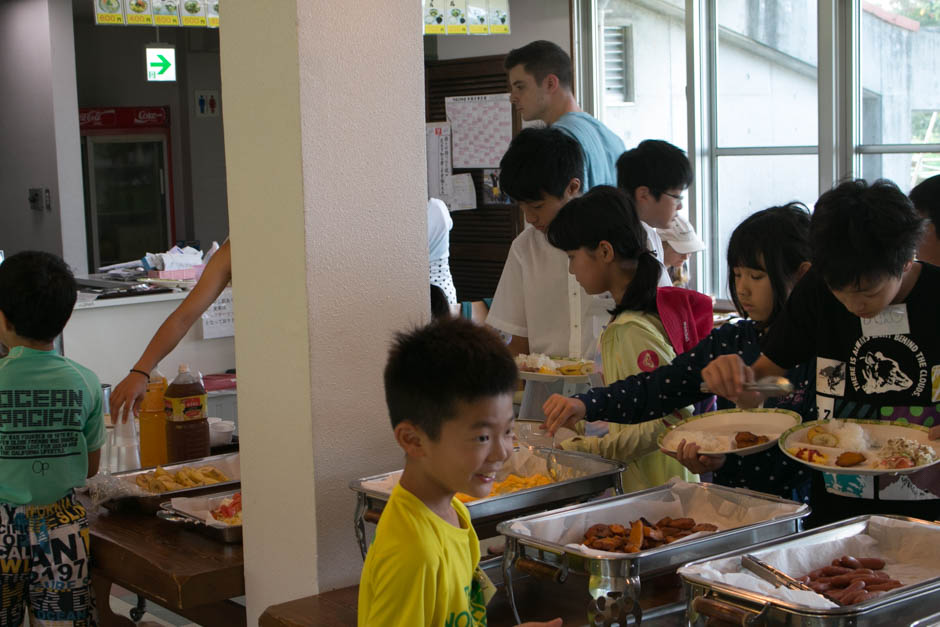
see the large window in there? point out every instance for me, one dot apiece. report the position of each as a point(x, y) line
point(774, 100)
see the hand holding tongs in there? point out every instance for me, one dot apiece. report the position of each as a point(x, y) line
point(770, 574)
point(770, 386)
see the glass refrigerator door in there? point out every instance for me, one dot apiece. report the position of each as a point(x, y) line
point(127, 193)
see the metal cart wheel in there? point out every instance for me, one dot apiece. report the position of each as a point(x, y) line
point(141, 608)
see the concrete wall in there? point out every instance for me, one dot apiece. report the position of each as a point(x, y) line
point(328, 183)
point(110, 65)
point(39, 127)
point(531, 20)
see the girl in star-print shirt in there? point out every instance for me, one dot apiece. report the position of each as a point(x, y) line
point(767, 254)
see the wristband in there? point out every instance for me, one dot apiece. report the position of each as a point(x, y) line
point(146, 374)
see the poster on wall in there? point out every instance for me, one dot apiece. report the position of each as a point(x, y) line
point(499, 17)
point(212, 12)
point(433, 11)
point(456, 14)
point(193, 13)
point(109, 12)
point(139, 13)
point(219, 320)
point(476, 17)
point(166, 12)
point(481, 129)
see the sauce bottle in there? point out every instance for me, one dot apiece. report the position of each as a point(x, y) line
point(153, 422)
point(187, 430)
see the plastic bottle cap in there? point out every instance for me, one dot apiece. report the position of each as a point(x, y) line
point(183, 368)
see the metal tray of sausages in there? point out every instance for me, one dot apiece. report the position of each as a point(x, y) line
point(541, 544)
point(227, 463)
point(229, 534)
point(907, 605)
point(576, 476)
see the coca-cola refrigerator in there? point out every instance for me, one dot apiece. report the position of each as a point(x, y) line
point(128, 182)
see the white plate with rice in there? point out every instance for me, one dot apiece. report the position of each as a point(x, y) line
point(715, 431)
point(874, 439)
point(540, 367)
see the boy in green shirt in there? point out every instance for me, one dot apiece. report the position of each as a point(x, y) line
point(51, 433)
point(449, 389)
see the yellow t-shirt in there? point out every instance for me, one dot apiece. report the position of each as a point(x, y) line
point(420, 569)
point(635, 342)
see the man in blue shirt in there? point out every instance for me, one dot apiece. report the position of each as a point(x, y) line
point(540, 79)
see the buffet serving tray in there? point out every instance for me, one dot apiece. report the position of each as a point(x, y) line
point(229, 534)
point(227, 463)
point(576, 476)
point(708, 597)
point(547, 544)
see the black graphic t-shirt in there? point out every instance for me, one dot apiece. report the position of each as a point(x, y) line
point(886, 368)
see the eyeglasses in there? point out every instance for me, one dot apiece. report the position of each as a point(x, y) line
point(676, 196)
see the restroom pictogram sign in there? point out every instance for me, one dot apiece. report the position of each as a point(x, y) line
point(207, 103)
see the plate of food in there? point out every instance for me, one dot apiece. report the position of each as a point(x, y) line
point(861, 447)
point(540, 367)
point(732, 431)
point(109, 6)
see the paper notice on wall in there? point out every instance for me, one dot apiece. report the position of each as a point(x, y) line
point(219, 318)
point(499, 17)
point(166, 12)
point(212, 12)
point(437, 135)
point(481, 129)
point(465, 193)
point(193, 12)
point(139, 13)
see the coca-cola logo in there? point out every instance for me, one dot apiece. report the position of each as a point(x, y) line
point(146, 116)
point(96, 117)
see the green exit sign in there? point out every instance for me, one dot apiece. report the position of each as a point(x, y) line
point(161, 64)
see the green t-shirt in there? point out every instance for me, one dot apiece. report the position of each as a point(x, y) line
point(50, 419)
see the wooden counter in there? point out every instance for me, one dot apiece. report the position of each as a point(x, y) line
point(176, 568)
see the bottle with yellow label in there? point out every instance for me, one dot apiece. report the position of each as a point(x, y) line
point(187, 430)
point(153, 423)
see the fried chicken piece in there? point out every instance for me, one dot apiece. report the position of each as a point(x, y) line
point(664, 522)
point(598, 531)
point(682, 523)
point(618, 530)
point(704, 527)
point(607, 544)
point(669, 531)
point(652, 533)
point(743, 439)
point(850, 458)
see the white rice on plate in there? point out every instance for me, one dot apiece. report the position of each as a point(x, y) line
point(851, 436)
point(707, 442)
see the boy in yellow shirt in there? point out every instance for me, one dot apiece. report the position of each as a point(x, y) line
point(449, 389)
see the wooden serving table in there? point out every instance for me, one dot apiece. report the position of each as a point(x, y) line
point(186, 573)
point(537, 600)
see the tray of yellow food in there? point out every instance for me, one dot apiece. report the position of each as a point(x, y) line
point(148, 487)
point(539, 367)
point(532, 479)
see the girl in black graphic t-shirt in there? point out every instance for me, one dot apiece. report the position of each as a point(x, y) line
point(866, 314)
point(767, 254)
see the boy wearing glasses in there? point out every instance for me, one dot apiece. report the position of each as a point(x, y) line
point(654, 175)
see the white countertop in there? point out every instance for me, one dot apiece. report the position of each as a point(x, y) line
point(89, 300)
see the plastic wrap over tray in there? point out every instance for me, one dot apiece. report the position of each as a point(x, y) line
point(194, 513)
point(910, 548)
point(120, 489)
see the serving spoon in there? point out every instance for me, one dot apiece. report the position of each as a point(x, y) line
point(770, 386)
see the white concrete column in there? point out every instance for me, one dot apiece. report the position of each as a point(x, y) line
point(325, 163)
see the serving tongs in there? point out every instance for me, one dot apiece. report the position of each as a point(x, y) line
point(770, 386)
point(770, 574)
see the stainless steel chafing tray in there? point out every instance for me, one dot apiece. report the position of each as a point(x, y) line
point(546, 544)
point(229, 534)
point(576, 476)
point(709, 598)
point(227, 463)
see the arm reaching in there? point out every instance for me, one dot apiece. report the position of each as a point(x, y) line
point(727, 375)
point(128, 394)
point(561, 411)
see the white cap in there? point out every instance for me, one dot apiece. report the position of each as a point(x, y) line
point(681, 236)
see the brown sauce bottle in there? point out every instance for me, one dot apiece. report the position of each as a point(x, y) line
point(187, 430)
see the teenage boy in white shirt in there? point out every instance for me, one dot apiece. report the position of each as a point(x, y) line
point(654, 175)
point(537, 301)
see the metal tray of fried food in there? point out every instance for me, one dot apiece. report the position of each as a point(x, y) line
point(909, 547)
point(576, 476)
point(229, 534)
point(548, 544)
point(228, 463)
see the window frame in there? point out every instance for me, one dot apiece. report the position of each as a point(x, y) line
point(839, 148)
